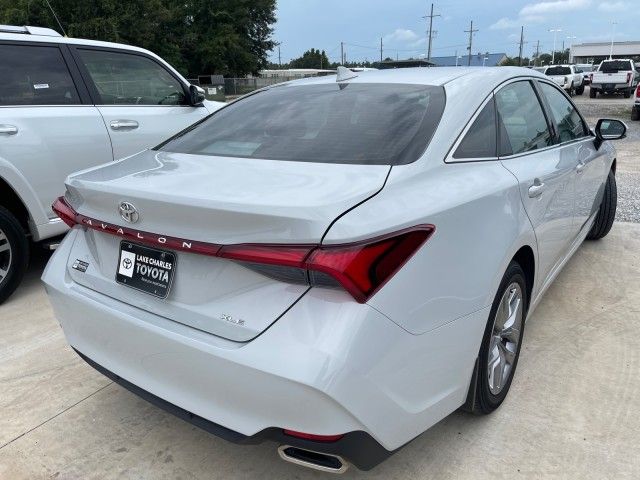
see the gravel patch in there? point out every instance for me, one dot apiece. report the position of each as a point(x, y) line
point(628, 197)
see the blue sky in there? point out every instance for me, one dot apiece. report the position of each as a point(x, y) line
point(304, 24)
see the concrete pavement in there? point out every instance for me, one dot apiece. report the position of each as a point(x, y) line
point(571, 413)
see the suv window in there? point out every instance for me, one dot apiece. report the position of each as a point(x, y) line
point(521, 121)
point(565, 116)
point(129, 79)
point(480, 140)
point(33, 75)
point(357, 123)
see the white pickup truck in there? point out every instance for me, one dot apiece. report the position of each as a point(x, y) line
point(614, 76)
point(568, 77)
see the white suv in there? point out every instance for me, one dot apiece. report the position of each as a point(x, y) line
point(69, 104)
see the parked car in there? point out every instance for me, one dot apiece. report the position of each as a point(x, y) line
point(68, 104)
point(614, 76)
point(635, 110)
point(568, 77)
point(337, 263)
point(586, 68)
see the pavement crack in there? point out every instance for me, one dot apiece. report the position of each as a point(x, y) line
point(55, 416)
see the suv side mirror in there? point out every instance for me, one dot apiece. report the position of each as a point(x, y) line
point(609, 129)
point(196, 95)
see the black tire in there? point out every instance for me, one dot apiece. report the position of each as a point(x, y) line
point(14, 260)
point(580, 90)
point(627, 93)
point(484, 401)
point(593, 92)
point(635, 113)
point(607, 212)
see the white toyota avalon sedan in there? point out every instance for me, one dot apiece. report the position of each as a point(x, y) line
point(334, 264)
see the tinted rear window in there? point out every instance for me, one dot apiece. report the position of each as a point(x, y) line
point(558, 71)
point(613, 66)
point(376, 124)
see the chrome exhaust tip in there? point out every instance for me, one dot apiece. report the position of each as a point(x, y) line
point(317, 460)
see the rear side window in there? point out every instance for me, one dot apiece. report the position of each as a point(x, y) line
point(128, 79)
point(521, 122)
point(34, 75)
point(480, 140)
point(358, 123)
point(565, 116)
point(558, 71)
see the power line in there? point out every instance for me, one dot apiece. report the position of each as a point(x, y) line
point(431, 32)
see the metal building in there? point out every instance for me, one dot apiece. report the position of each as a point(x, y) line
point(596, 52)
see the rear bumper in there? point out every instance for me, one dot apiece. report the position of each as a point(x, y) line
point(327, 366)
point(606, 87)
point(359, 447)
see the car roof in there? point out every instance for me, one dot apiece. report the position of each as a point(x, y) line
point(50, 38)
point(438, 76)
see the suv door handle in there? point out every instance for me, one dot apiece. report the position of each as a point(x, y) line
point(123, 124)
point(8, 129)
point(536, 189)
point(580, 167)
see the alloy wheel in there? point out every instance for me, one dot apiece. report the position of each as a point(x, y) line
point(505, 337)
point(5, 256)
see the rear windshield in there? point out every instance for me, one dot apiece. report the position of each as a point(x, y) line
point(613, 66)
point(375, 124)
point(558, 71)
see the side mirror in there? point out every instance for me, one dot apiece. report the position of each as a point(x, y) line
point(609, 129)
point(196, 95)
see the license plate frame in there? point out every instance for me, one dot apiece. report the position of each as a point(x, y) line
point(138, 265)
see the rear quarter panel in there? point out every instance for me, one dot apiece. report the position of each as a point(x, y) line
point(480, 225)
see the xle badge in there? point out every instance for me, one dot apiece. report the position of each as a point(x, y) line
point(80, 266)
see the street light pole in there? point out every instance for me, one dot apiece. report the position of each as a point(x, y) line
point(555, 34)
point(613, 34)
point(571, 39)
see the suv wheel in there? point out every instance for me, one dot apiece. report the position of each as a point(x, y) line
point(14, 254)
point(501, 342)
point(627, 92)
point(592, 92)
point(635, 113)
point(580, 90)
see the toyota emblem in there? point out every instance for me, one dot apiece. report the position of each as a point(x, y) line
point(128, 212)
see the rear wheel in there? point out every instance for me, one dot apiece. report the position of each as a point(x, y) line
point(14, 254)
point(627, 92)
point(580, 90)
point(635, 113)
point(607, 211)
point(592, 93)
point(501, 342)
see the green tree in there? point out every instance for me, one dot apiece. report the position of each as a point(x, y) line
point(230, 37)
point(311, 59)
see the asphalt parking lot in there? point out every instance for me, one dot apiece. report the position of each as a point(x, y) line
point(571, 412)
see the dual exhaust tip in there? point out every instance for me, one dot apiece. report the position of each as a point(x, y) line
point(318, 461)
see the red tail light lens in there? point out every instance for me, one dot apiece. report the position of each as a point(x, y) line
point(311, 436)
point(638, 92)
point(65, 212)
point(361, 268)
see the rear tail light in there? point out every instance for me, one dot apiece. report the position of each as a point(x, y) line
point(361, 268)
point(638, 92)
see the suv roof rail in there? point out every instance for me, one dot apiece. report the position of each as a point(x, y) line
point(27, 30)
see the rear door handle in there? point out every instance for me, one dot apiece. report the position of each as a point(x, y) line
point(8, 129)
point(580, 167)
point(536, 189)
point(123, 124)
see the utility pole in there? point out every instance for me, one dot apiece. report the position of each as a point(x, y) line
point(553, 54)
point(341, 53)
point(537, 53)
point(521, 42)
point(471, 31)
point(613, 34)
point(431, 32)
point(279, 58)
point(380, 49)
